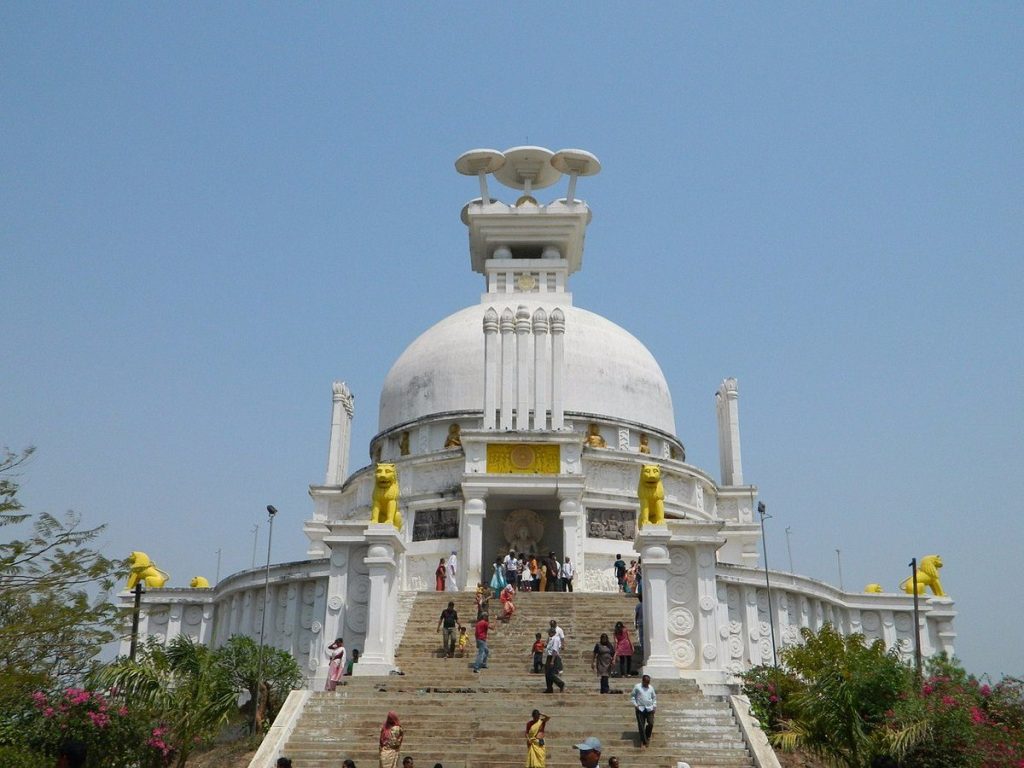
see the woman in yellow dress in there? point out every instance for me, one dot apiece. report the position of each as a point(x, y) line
point(536, 753)
point(390, 741)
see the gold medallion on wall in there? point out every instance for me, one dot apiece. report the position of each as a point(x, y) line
point(523, 459)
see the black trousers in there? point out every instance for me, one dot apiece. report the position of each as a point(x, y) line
point(567, 585)
point(645, 724)
point(552, 679)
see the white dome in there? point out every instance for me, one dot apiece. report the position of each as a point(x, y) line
point(608, 372)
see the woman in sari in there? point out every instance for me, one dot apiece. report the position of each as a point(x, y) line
point(604, 660)
point(630, 579)
point(439, 573)
point(536, 754)
point(507, 606)
point(336, 653)
point(623, 649)
point(390, 741)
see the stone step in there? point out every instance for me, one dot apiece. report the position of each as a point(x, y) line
point(475, 720)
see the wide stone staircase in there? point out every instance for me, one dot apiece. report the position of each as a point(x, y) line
point(463, 719)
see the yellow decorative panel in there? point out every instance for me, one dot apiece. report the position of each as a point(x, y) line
point(523, 459)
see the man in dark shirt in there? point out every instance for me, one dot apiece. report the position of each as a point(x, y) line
point(482, 652)
point(450, 620)
point(620, 572)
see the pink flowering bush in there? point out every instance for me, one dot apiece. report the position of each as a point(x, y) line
point(966, 724)
point(115, 735)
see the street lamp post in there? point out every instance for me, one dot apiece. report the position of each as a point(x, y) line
point(917, 621)
point(271, 511)
point(135, 619)
point(763, 512)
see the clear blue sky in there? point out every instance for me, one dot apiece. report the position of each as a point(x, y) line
point(208, 212)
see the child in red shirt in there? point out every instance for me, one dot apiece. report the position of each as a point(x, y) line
point(538, 654)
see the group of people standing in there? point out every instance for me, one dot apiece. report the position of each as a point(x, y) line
point(629, 577)
point(525, 573)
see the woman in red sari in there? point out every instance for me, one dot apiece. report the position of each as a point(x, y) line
point(507, 606)
point(390, 741)
point(439, 576)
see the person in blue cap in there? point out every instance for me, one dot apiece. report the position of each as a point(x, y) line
point(590, 752)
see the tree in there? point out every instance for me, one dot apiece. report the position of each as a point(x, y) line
point(848, 689)
point(188, 692)
point(239, 658)
point(54, 611)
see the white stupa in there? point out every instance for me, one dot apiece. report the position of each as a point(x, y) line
point(524, 421)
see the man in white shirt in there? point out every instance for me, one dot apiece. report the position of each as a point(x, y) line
point(553, 662)
point(452, 569)
point(568, 570)
point(509, 564)
point(645, 701)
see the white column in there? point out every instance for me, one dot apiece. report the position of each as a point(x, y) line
point(652, 545)
point(707, 602)
point(174, 611)
point(385, 546)
point(752, 626)
point(540, 369)
point(508, 363)
point(473, 513)
point(522, 369)
point(728, 411)
point(341, 431)
point(334, 615)
point(557, 368)
point(490, 367)
point(570, 510)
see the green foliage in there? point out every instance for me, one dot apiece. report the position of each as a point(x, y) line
point(22, 757)
point(966, 724)
point(114, 734)
point(54, 612)
point(846, 687)
point(770, 690)
point(182, 685)
point(239, 658)
point(856, 705)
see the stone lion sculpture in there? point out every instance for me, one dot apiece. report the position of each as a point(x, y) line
point(142, 569)
point(652, 496)
point(927, 576)
point(385, 497)
point(199, 582)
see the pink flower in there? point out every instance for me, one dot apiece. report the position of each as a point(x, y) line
point(948, 701)
point(122, 711)
point(977, 716)
point(985, 690)
point(39, 699)
point(772, 699)
point(49, 712)
point(927, 690)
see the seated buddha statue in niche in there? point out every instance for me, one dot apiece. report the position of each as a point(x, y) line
point(594, 439)
point(454, 439)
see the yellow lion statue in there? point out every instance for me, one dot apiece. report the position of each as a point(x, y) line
point(199, 582)
point(874, 589)
point(927, 576)
point(385, 497)
point(652, 496)
point(142, 569)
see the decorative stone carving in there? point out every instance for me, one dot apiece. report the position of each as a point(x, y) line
point(523, 530)
point(709, 652)
point(355, 618)
point(707, 603)
point(870, 621)
point(599, 581)
point(342, 394)
point(359, 589)
point(623, 439)
point(735, 647)
point(335, 603)
point(680, 590)
point(680, 562)
point(683, 652)
point(430, 524)
point(680, 621)
point(618, 524)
